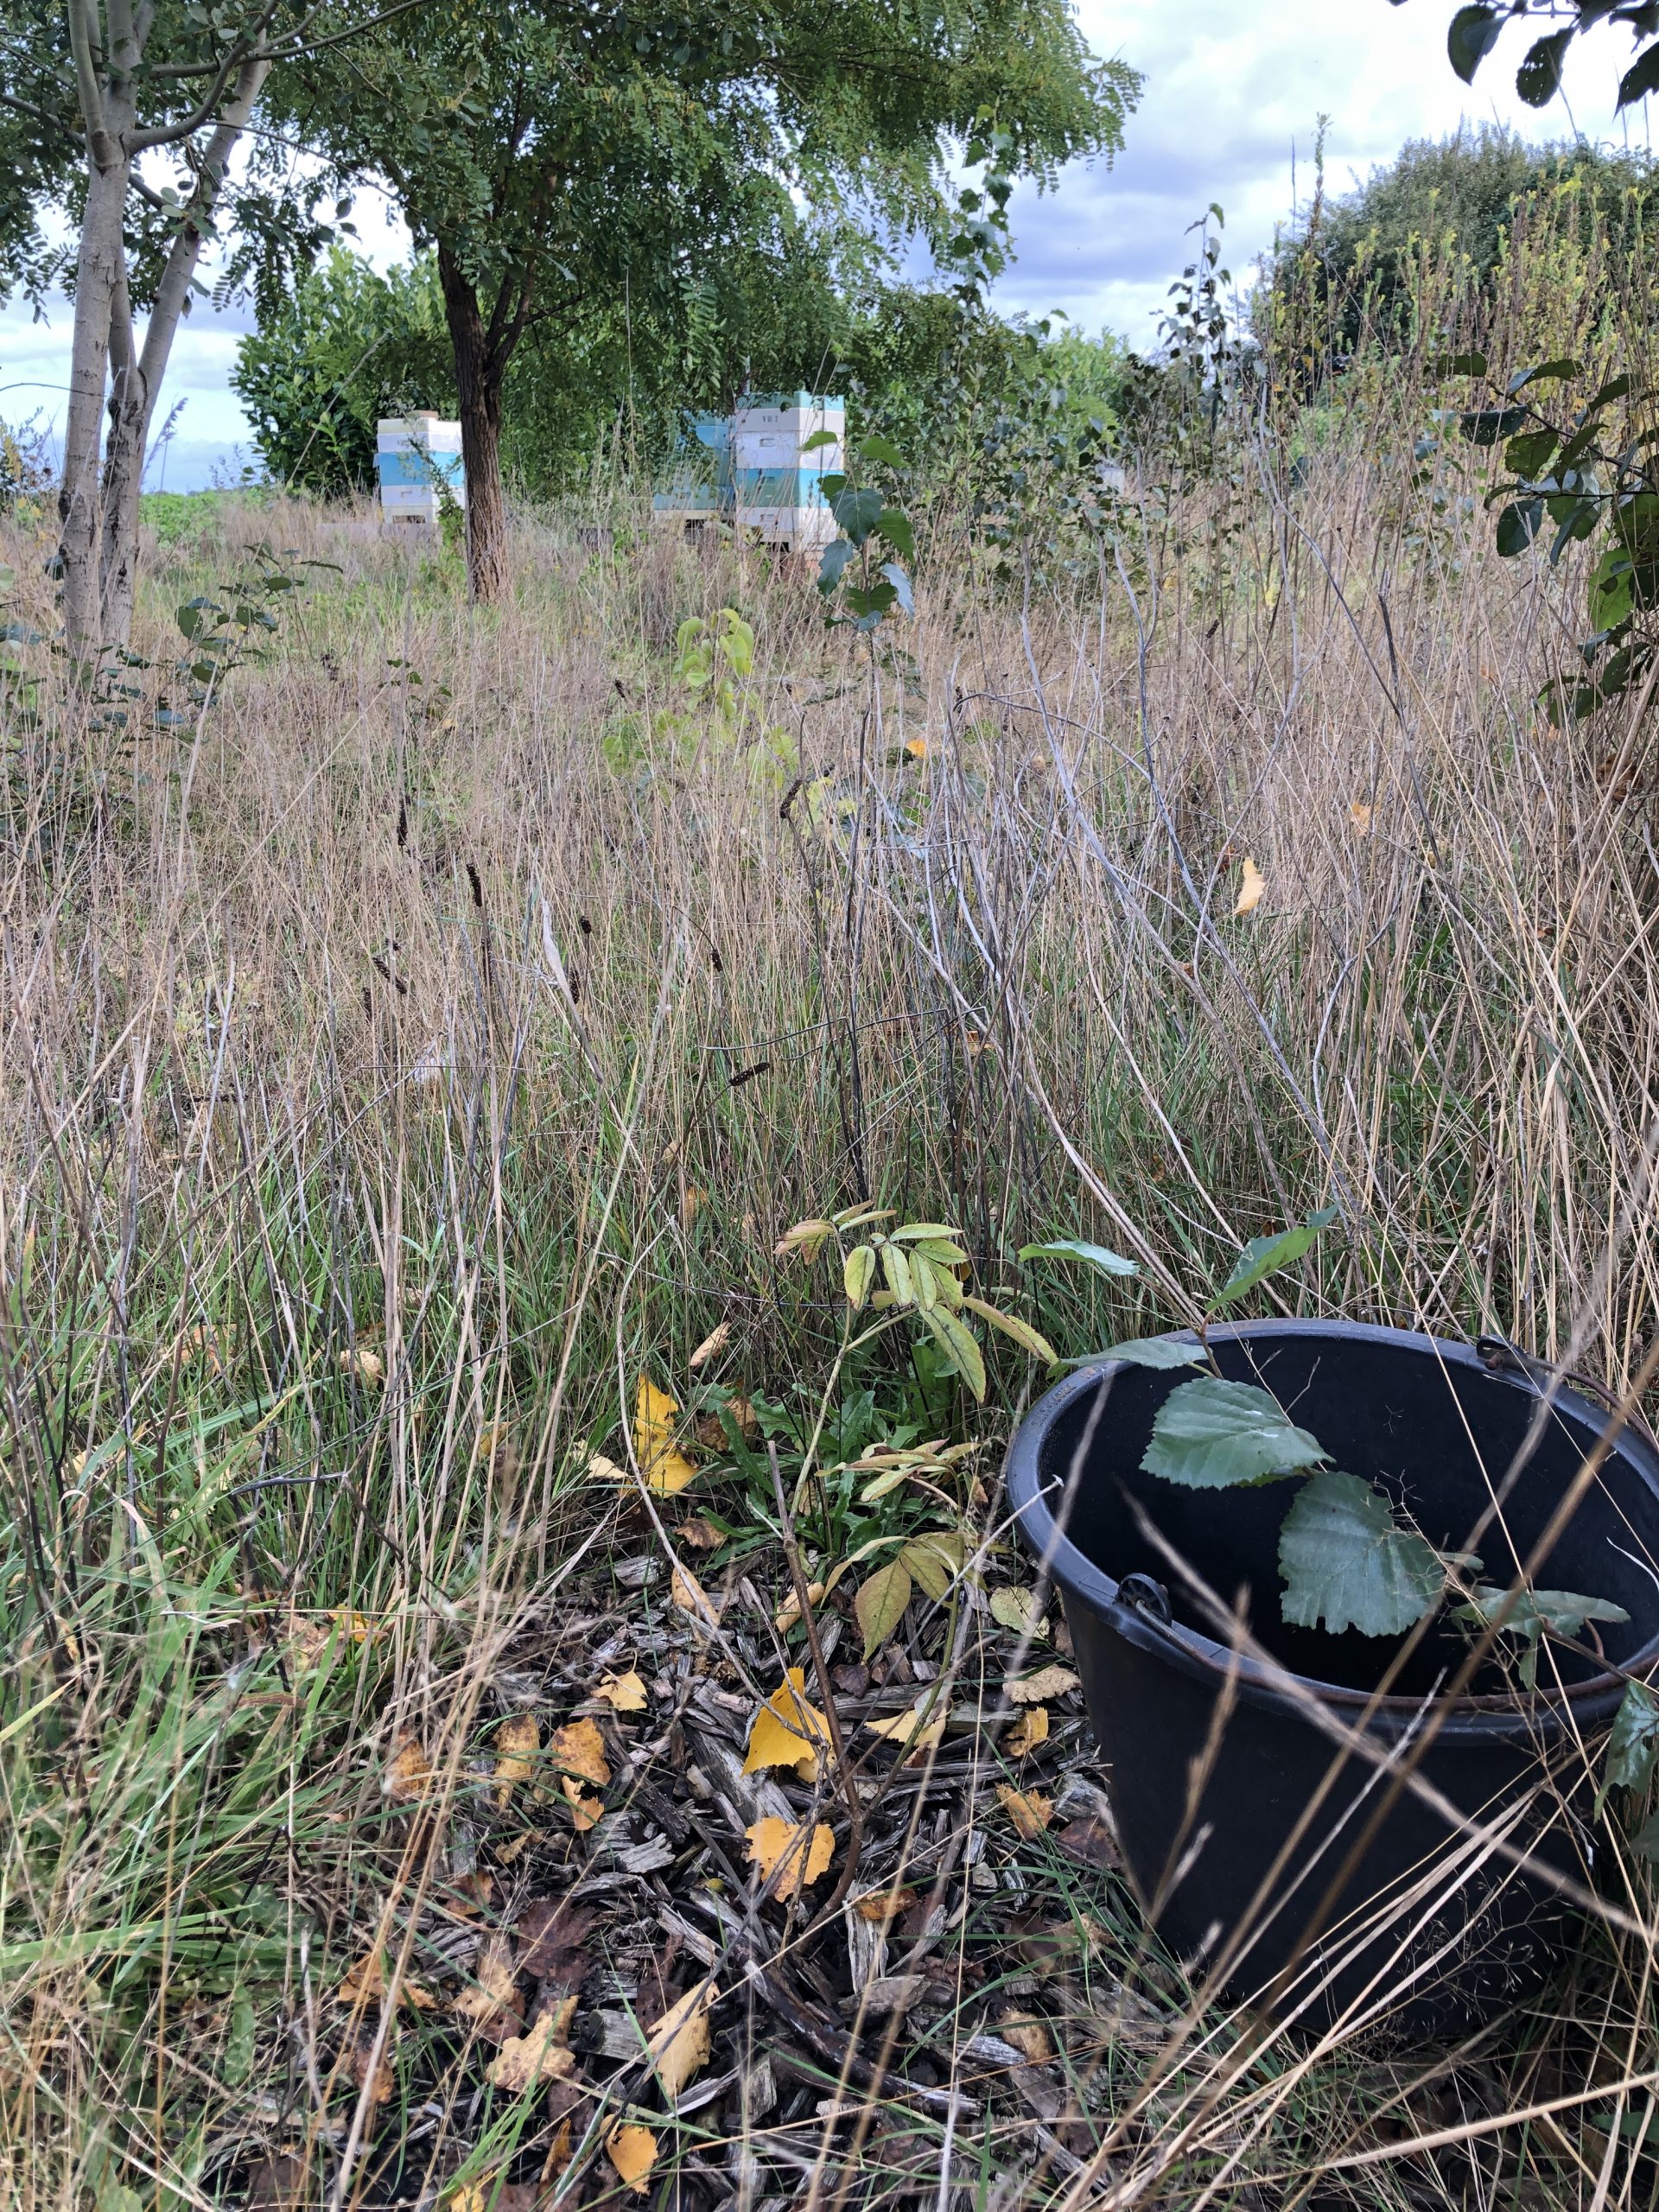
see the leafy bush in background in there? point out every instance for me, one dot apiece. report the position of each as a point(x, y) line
point(348, 346)
point(1354, 257)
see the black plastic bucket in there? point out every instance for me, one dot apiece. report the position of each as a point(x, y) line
point(1216, 1758)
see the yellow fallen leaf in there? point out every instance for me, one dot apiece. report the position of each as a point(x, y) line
point(1017, 1609)
point(540, 2054)
point(1029, 1810)
point(633, 2152)
point(666, 1468)
point(909, 1729)
point(623, 1693)
point(880, 1905)
point(1028, 1732)
point(367, 1366)
point(1028, 2035)
point(1360, 815)
point(1250, 889)
point(788, 1731)
point(408, 1771)
point(579, 1749)
point(688, 1594)
point(586, 1812)
point(716, 1341)
point(517, 1742)
point(678, 2045)
point(773, 1842)
point(366, 1982)
point(601, 1469)
point(917, 747)
point(490, 1440)
point(790, 1612)
point(496, 1996)
point(1037, 1689)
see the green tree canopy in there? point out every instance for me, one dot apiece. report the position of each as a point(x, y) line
point(562, 162)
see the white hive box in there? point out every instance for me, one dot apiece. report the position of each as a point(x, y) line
point(779, 484)
point(413, 454)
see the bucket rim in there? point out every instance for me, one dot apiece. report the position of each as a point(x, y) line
point(1589, 1703)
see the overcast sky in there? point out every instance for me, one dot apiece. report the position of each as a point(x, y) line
point(1234, 89)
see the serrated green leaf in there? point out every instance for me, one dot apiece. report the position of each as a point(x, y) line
point(1092, 1256)
point(1147, 1351)
point(880, 1603)
point(1348, 1562)
point(1633, 1744)
point(1264, 1255)
point(857, 1274)
point(1210, 1435)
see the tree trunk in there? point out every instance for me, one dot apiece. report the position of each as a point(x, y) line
point(481, 369)
point(136, 384)
point(99, 272)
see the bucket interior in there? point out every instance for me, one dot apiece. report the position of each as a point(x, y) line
point(1438, 1438)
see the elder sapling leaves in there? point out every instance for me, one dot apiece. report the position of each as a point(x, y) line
point(1633, 1745)
point(1073, 1248)
point(1210, 1435)
point(1527, 1614)
point(1346, 1561)
point(1265, 1255)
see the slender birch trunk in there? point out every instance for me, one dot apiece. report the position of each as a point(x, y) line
point(137, 384)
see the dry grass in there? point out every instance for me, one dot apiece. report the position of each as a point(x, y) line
point(396, 1069)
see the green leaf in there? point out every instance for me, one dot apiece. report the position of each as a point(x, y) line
point(1092, 1256)
point(1210, 1435)
point(1146, 1351)
point(1517, 526)
point(900, 582)
point(818, 439)
point(1633, 1744)
point(893, 524)
point(1532, 1611)
point(858, 512)
point(1264, 1255)
point(1023, 1335)
point(1556, 372)
point(1539, 77)
point(1612, 589)
point(911, 1231)
point(935, 1561)
point(959, 1346)
point(1527, 454)
point(882, 451)
point(1348, 1562)
point(880, 1604)
point(834, 558)
point(896, 1267)
point(857, 1274)
point(1637, 82)
point(1484, 426)
point(1470, 38)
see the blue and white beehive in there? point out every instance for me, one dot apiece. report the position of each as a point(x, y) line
point(779, 484)
point(700, 485)
point(414, 454)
